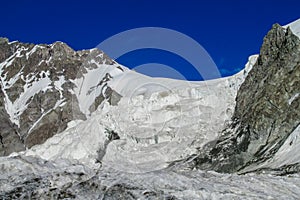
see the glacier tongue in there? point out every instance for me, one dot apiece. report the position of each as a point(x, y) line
point(34, 178)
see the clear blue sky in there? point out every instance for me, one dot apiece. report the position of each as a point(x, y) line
point(229, 30)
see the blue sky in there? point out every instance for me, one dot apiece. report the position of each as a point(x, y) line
point(229, 30)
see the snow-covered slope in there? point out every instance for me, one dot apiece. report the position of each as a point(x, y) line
point(43, 87)
point(159, 121)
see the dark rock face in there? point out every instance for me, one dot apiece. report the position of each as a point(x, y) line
point(267, 109)
point(35, 117)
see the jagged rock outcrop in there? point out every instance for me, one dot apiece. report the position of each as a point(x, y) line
point(267, 108)
point(39, 90)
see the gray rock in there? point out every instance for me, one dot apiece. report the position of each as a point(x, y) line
point(42, 118)
point(264, 116)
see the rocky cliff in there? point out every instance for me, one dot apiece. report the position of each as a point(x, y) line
point(267, 108)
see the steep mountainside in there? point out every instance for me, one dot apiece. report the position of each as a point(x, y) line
point(41, 90)
point(267, 111)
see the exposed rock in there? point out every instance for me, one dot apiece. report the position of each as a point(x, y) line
point(264, 115)
point(29, 116)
